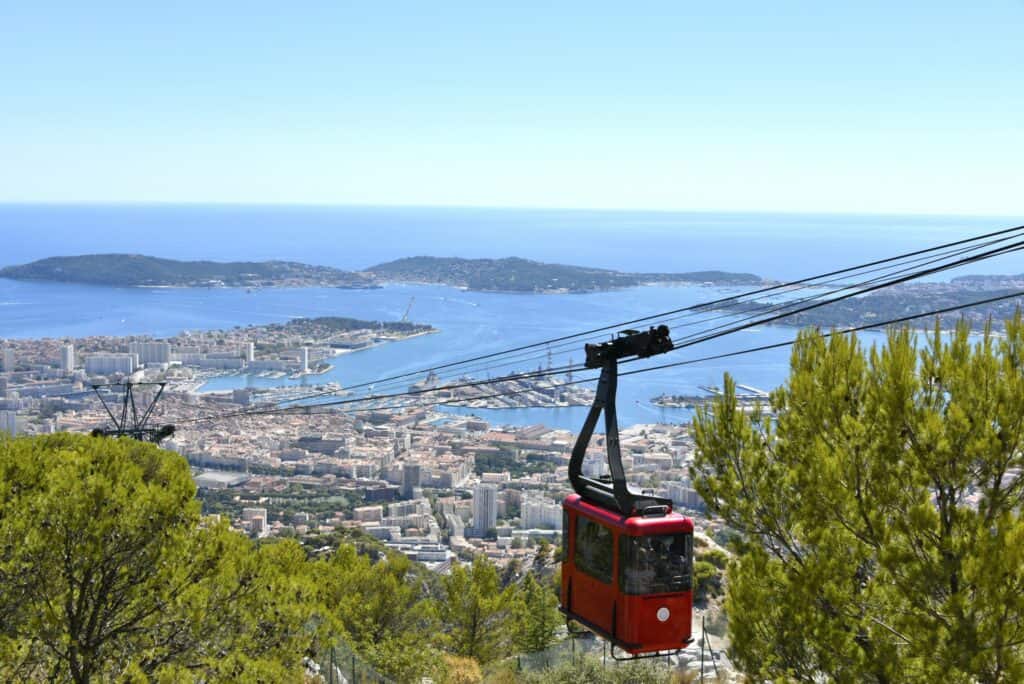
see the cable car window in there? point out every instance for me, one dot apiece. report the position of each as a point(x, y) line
point(594, 549)
point(656, 564)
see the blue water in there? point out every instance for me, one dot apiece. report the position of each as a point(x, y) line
point(471, 323)
point(782, 246)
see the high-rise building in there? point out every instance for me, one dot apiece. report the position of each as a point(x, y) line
point(8, 359)
point(67, 359)
point(105, 364)
point(250, 352)
point(485, 508)
point(151, 352)
point(305, 359)
point(9, 422)
point(410, 480)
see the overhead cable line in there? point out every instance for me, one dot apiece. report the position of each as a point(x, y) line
point(1003, 250)
point(691, 308)
point(690, 318)
point(927, 255)
point(687, 362)
point(751, 321)
point(716, 333)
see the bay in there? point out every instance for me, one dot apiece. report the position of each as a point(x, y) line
point(470, 324)
point(781, 246)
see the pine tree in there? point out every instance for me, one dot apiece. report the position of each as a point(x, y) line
point(537, 617)
point(106, 572)
point(475, 612)
point(381, 611)
point(880, 513)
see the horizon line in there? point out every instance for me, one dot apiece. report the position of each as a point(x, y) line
point(484, 207)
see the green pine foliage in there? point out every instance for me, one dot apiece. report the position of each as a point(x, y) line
point(382, 611)
point(537, 619)
point(476, 612)
point(108, 572)
point(879, 514)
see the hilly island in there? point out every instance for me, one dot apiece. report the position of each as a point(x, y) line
point(505, 275)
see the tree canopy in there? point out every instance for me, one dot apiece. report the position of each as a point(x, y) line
point(880, 510)
point(108, 571)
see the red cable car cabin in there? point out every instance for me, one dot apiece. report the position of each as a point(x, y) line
point(627, 558)
point(628, 579)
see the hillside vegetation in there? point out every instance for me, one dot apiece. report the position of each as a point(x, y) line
point(505, 275)
point(523, 275)
point(133, 270)
point(879, 513)
point(108, 572)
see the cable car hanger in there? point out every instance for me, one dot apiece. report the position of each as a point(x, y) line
point(612, 491)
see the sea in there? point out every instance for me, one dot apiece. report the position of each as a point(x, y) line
point(776, 246)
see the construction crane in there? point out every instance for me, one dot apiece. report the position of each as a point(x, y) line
point(405, 316)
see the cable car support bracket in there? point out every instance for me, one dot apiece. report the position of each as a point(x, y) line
point(612, 492)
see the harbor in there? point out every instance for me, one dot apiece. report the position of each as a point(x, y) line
point(748, 397)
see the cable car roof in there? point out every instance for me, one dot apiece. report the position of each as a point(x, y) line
point(670, 523)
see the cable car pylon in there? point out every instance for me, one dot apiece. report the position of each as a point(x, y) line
point(130, 423)
point(627, 568)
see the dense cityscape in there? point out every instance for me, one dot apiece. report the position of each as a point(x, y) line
point(431, 484)
point(435, 486)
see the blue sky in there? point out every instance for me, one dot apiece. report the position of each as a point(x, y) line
point(742, 106)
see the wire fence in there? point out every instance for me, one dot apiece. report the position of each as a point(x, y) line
point(339, 664)
point(697, 663)
point(573, 650)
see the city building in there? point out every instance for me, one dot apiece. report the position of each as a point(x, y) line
point(541, 515)
point(106, 364)
point(305, 359)
point(485, 508)
point(685, 496)
point(250, 352)
point(67, 359)
point(255, 520)
point(410, 480)
point(151, 352)
point(250, 513)
point(368, 514)
point(8, 360)
point(9, 422)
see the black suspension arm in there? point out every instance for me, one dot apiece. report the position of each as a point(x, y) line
point(613, 492)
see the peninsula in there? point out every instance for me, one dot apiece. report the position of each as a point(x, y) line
point(136, 270)
point(300, 346)
point(488, 275)
point(523, 275)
